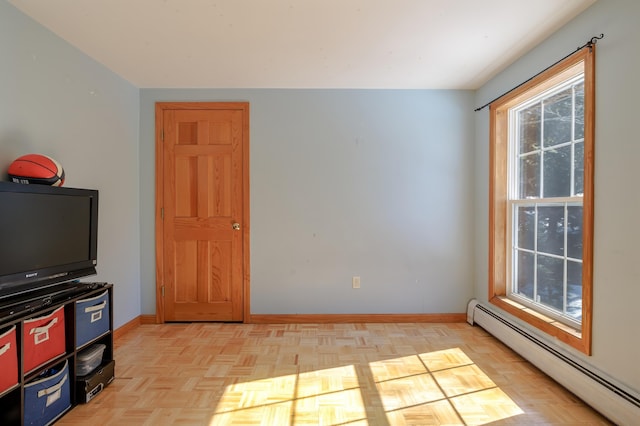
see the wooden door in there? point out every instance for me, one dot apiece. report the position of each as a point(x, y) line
point(202, 197)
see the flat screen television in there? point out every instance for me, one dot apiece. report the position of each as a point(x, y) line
point(48, 236)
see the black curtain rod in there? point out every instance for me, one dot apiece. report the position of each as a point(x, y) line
point(588, 44)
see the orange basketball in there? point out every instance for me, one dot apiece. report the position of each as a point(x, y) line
point(36, 168)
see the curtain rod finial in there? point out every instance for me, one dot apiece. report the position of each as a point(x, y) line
point(594, 40)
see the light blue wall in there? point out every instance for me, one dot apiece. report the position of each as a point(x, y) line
point(373, 183)
point(388, 185)
point(56, 101)
point(616, 347)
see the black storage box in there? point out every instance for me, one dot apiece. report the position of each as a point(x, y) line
point(87, 387)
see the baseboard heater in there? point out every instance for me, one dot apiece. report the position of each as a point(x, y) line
point(616, 402)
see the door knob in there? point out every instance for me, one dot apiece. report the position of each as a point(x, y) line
point(236, 226)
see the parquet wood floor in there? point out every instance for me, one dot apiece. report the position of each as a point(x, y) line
point(326, 374)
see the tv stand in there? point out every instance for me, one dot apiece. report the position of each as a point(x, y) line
point(15, 311)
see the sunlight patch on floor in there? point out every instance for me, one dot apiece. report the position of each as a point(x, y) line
point(440, 387)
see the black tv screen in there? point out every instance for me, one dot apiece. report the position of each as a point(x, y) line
point(48, 235)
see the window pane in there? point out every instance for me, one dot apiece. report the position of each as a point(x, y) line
point(550, 281)
point(526, 217)
point(574, 289)
point(524, 282)
point(578, 169)
point(530, 176)
point(574, 232)
point(579, 110)
point(529, 120)
point(558, 116)
point(551, 230)
point(557, 172)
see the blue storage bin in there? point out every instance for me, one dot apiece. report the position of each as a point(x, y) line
point(92, 318)
point(47, 397)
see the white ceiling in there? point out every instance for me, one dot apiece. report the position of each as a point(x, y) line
point(431, 44)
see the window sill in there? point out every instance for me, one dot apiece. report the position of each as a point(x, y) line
point(563, 332)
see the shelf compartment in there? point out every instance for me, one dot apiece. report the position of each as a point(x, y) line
point(47, 398)
point(43, 339)
point(92, 318)
point(8, 359)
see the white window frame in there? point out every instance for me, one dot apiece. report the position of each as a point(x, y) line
point(515, 201)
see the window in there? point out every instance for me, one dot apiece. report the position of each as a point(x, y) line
point(541, 200)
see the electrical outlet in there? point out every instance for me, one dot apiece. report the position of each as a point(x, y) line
point(355, 282)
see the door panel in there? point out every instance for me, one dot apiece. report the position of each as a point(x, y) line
point(204, 183)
